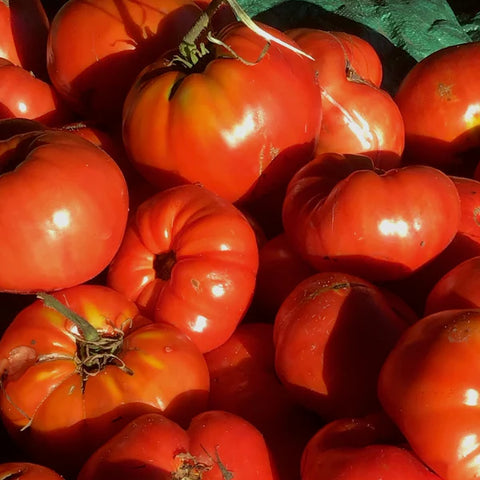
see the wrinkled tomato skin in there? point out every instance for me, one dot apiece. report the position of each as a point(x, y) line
point(63, 419)
point(95, 49)
point(446, 83)
point(22, 95)
point(27, 471)
point(429, 386)
point(235, 128)
point(358, 116)
point(377, 225)
point(63, 212)
point(189, 258)
point(332, 334)
point(221, 444)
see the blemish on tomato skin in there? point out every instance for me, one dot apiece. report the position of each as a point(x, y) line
point(460, 331)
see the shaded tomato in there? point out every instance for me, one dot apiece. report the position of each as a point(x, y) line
point(189, 258)
point(24, 27)
point(95, 49)
point(217, 445)
point(339, 329)
point(230, 121)
point(25, 96)
point(445, 83)
point(27, 471)
point(64, 207)
point(243, 381)
point(342, 214)
point(358, 116)
point(67, 387)
point(428, 385)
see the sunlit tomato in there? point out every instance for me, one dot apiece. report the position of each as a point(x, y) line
point(429, 386)
point(444, 83)
point(189, 258)
point(67, 387)
point(24, 29)
point(341, 214)
point(26, 96)
point(236, 128)
point(243, 381)
point(63, 211)
point(339, 329)
point(217, 445)
point(358, 116)
point(95, 49)
point(27, 471)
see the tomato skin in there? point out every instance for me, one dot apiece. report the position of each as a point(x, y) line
point(428, 385)
point(189, 258)
point(22, 95)
point(63, 419)
point(63, 212)
point(95, 49)
point(446, 83)
point(151, 447)
point(27, 471)
point(403, 217)
point(358, 116)
point(234, 128)
point(339, 329)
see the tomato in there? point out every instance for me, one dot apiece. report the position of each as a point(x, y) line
point(189, 258)
point(341, 214)
point(63, 211)
point(233, 127)
point(95, 49)
point(339, 328)
point(27, 471)
point(429, 386)
point(67, 388)
point(358, 116)
point(444, 83)
point(216, 446)
point(26, 96)
point(243, 381)
point(24, 27)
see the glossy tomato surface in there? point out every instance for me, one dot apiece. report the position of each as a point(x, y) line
point(358, 116)
point(341, 214)
point(444, 83)
point(429, 386)
point(27, 471)
point(67, 389)
point(232, 122)
point(216, 445)
point(95, 49)
point(189, 258)
point(64, 207)
point(332, 334)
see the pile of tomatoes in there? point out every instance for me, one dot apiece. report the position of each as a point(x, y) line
point(228, 253)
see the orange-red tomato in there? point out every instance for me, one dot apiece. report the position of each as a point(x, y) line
point(67, 388)
point(27, 471)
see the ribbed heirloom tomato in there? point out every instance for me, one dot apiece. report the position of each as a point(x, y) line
point(78, 367)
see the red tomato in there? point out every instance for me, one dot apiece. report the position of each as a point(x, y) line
point(95, 49)
point(446, 84)
point(237, 129)
point(24, 29)
point(189, 258)
point(340, 215)
point(26, 96)
point(67, 388)
point(243, 381)
point(63, 211)
point(339, 329)
point(216, 446)
point(358, 116)
point(429, 386)
point(27, 471)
